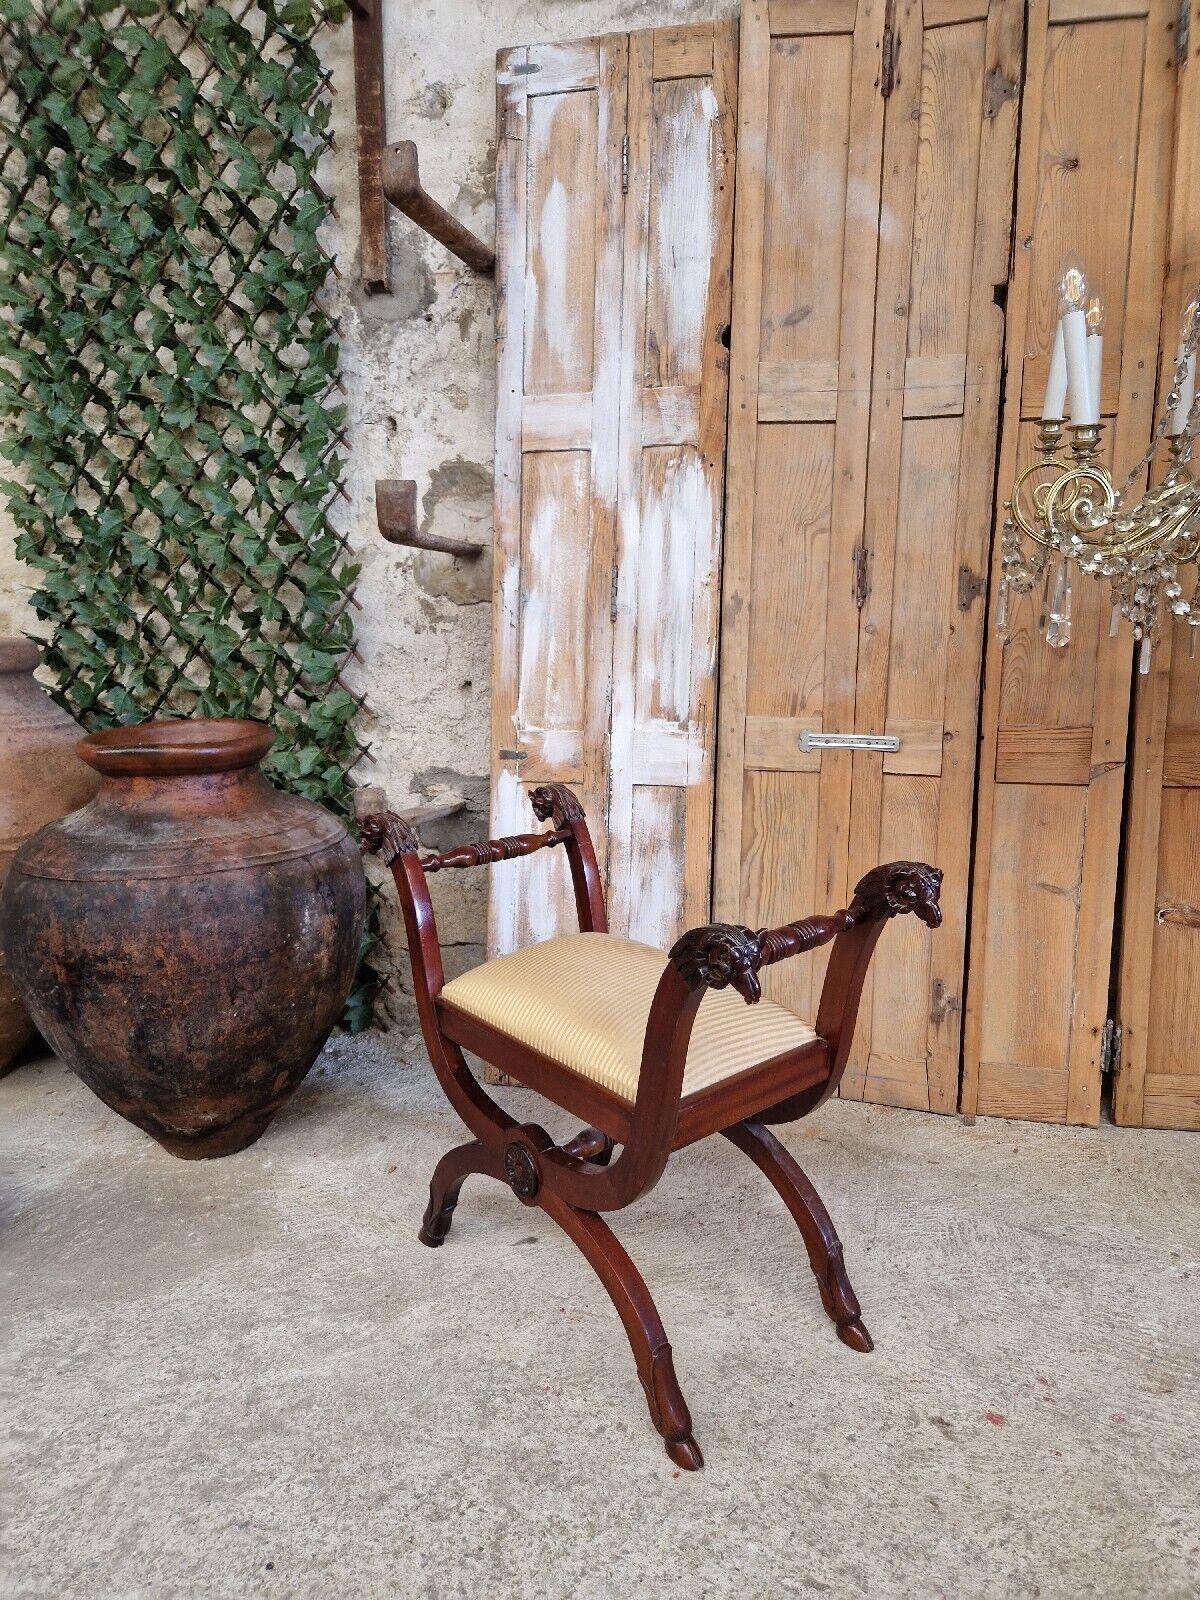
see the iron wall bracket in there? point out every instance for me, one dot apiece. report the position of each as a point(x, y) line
point(390, 173)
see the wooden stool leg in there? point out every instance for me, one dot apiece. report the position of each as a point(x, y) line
point(451, 1172)
point(643, 1326)
point(817, 1230)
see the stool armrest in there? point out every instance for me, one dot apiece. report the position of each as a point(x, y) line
point(728, 955)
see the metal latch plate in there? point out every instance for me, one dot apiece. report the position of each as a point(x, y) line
point(848, 741)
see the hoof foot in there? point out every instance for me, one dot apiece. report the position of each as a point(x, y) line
point(685, 1453)
point(428, 1237)
point(855, 1336)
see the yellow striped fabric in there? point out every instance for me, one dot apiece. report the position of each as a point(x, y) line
point(583, 1000)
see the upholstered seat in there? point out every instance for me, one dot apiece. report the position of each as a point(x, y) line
point(583, 1001)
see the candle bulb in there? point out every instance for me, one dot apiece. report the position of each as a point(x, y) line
point(1072, 298)
point(1186, 355)
point(1094, 317)
point(1056, 381)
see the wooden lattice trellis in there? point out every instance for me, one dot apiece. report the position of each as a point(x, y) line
point(167, 368)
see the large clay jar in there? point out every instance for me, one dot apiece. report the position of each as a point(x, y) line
point(41, 778)
point(187, 941)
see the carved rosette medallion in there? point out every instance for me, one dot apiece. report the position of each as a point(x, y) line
point(522, 1173)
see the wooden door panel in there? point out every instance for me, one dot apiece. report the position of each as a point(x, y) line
point(810, 148)
point(1159, 1081)
point(897, 1067)
point(1088, 169)
point(949, 154)
point(678, 248)
point(561, 122)
point(1055, 722)
point(779, 838)
point(614, 228)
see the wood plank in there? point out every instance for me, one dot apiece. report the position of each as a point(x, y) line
point(1173, 1067)
point(1181, 758)
point(1013, 1089)
point(1089, 170)
point(557, 422)
point(794, 17)
point(1147, 245)
point(685, 52)
point(935, 386)
point(773, 744)
point(1027, 985)
point(797, 391)
point(856, 355)
point(562, 68)
point(882, 469)
point(1166, 697)
point(1044, 755)
point(1068, 11)
point(1004, 47)
point(671, 414)
point(946, 13)
point(745, 342)
point(1172, 1100)
point(920, 752)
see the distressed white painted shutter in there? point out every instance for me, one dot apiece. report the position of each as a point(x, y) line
point(609, 463)
point(561, 121)
point(678, 247)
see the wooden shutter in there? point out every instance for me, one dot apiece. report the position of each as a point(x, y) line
point(678, 244)
point(876, 158)
point(1159, 1082)
point(945, 227)
point(810, 138)
point(1052, 764)
point(609, 462)
point(561, 118)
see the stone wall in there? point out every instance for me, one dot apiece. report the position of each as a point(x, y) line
point(418, 369)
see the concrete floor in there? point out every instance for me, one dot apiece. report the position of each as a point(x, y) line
point(246, 1377)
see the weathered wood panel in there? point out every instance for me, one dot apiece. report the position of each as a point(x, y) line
point(561, 121)
point(678, 260)
point(866, 358)
point(949, 159)
point(614, 222)
point(1159, 1082)
point(1038, 995)
point(810, 145)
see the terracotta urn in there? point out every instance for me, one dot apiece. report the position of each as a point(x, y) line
point(41, 778)
point(187, 941)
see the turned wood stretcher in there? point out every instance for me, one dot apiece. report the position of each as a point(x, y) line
point(653, 1051)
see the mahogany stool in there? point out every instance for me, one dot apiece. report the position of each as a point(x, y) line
point(652, 1050)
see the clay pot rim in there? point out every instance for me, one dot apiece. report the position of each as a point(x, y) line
point(176, 747)
point(19, 655)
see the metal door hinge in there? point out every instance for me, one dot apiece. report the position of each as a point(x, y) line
point(862, 575)
point(1110, 1049)
point(1183, 29)
point(625, 165)
point(970, 587)
point(612, 598)
point(887, 64)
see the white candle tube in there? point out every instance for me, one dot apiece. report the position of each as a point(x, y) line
point(1056, 382)
point(1084, 410)
point(1187, 393)
point(1095, 353)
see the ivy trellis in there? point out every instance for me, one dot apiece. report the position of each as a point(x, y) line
point(167, 366)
